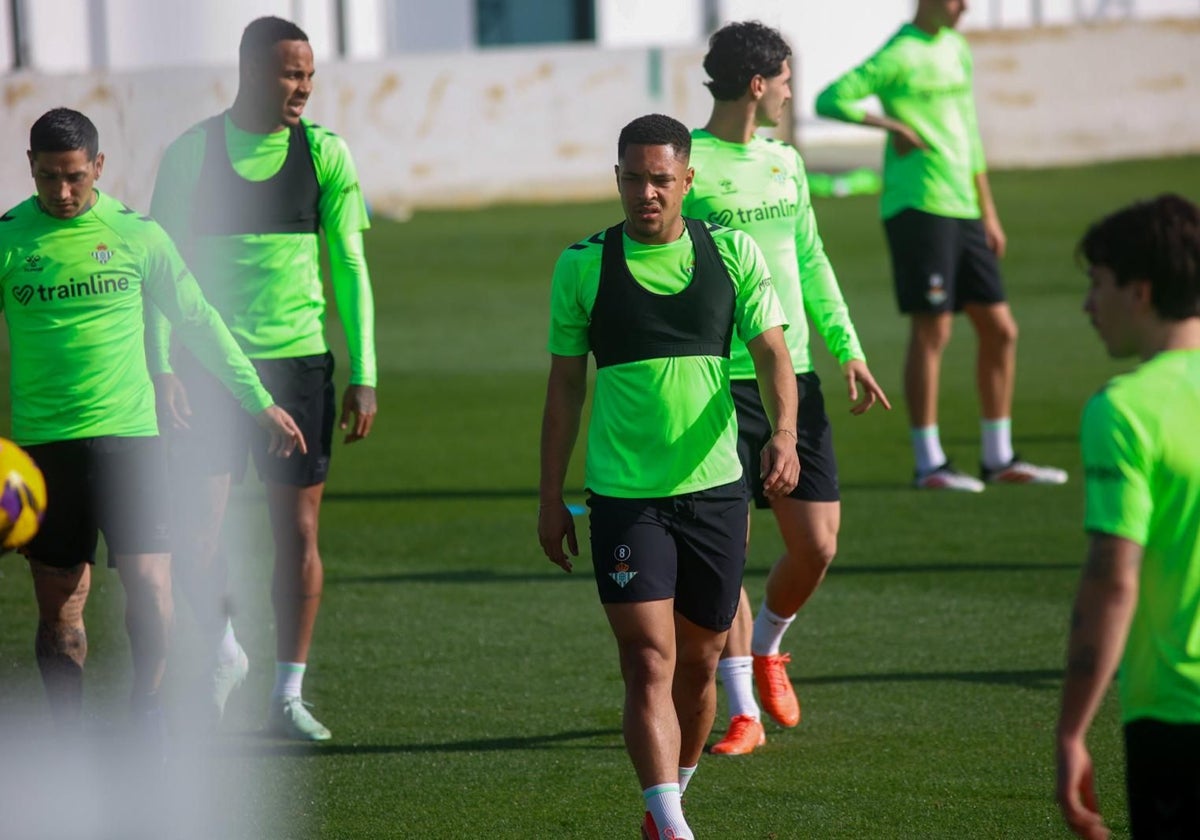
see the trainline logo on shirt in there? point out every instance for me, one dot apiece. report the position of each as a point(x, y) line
point(781, 209)
point(93, 285)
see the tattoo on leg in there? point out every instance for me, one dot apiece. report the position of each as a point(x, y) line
point(61, 652)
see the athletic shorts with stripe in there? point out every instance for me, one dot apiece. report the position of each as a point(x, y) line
point(814, 441)
point(690, 547)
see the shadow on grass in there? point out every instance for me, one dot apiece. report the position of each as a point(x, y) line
point(583, 573)
point(1037, 679)
point(258, 744)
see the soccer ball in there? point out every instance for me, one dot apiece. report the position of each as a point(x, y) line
point(22, 496)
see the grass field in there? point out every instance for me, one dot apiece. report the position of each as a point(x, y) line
point(472, 687)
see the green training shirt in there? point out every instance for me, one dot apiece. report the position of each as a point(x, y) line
point(73, 292)
point(1141, 457)
point(268, 287)
point(761, 187)
point(924, 81)
point(660, 427)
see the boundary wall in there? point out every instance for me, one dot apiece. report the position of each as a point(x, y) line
point(525, 124)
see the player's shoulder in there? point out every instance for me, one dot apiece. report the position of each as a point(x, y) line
point(780, 150)
point(18, 213)
point(323, 140)
point(127, 222)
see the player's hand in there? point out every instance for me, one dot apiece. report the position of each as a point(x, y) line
point(993, 232)
point(171, 402)
point(286, 436)
point(780, 465)
point(554, 523)
point(1076, 791)
point(358, 404)
point(858, 375)
point(905, 140)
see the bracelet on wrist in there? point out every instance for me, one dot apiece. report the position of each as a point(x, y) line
point(786, 432)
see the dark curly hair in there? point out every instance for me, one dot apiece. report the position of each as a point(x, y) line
point(737, 52)
point(1156, 240)
point(656, 130)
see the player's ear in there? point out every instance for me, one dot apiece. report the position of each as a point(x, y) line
point(758, 86)
point(99, 164)
point(29, 154)
point(688, 178)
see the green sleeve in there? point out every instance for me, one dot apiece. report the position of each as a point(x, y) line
point(170, 207)
point(1116, 472)
point(977, 159)
point(756, 306)
point(822, 295)
point(571, 303)
point(840, 100)
point(356, 304)
point(176, 293)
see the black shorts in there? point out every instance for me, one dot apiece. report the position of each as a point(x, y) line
point(814, 441)
point(1162, 775)
point(111, 485)
point(222, 433)
point(939, 264)
point(690, 547)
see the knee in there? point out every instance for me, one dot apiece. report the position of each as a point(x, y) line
point(645, 666)
point(930, 337)
point(1000, 333)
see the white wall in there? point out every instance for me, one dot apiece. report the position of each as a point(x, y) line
point(541, 124)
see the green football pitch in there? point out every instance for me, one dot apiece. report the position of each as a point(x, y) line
point(472, 687)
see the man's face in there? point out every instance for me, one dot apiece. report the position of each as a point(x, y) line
point(1111, 309)
point(64, 181)
point(776, 96)
point(285, 81)
point(652, 182)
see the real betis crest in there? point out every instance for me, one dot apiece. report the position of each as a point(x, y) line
point(621, 573)
point(102, 254)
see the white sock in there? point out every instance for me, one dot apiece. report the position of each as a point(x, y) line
point(737, 675)
point(927, 448)
point(768, 631)
point(685, 777)
point(666, 809)
point(227, 653)
point(289, 677)
point(996, 436)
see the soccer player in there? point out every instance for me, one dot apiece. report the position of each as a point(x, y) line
point(246, 193)
point(759, 186)
point(1138, 602)
point(943, 233)
point(657, 299)
point(76, 268)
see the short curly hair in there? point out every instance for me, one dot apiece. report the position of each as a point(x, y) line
point(737, 52)
point(656, 130)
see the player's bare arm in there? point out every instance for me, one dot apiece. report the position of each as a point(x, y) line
point(1100, 621)
point(904, 137)
point(565, 393)
point(777, 385)
point(359, 406)
point(992, 229)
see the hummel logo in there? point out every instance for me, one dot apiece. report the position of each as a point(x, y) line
point(32, 262)
point(23, 294)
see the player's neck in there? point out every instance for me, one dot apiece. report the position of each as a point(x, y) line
point(1172, 335)
point(732, 122)
point(250, 118)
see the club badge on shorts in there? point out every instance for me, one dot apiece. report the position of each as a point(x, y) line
point(937, 290)
point(621, 574)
